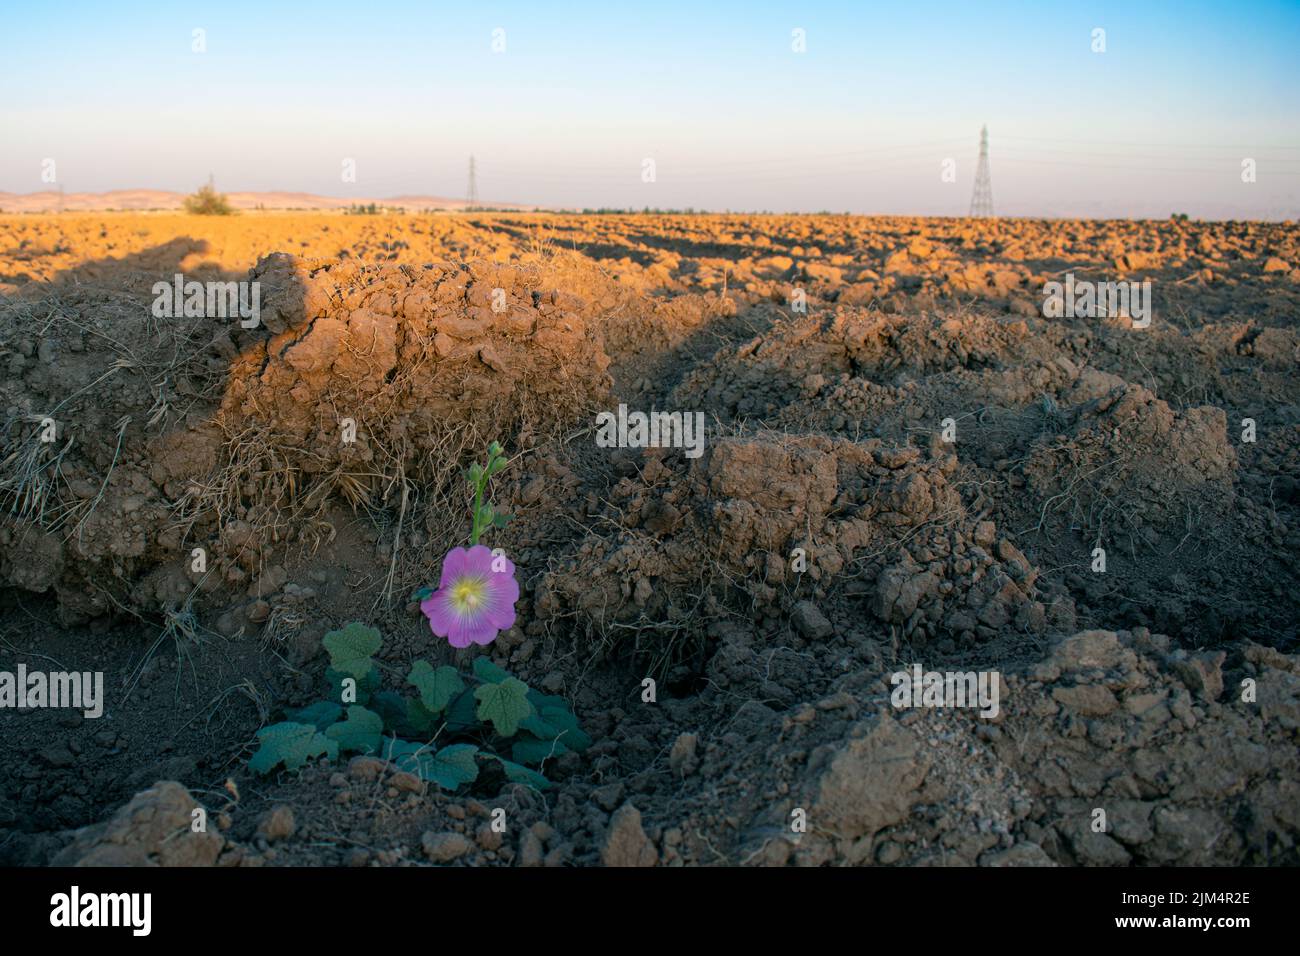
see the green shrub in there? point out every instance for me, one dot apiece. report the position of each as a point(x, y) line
point(208, 202)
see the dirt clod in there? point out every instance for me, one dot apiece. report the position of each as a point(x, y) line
point(625, 842)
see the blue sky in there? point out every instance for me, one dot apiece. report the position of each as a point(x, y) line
point(713, 93)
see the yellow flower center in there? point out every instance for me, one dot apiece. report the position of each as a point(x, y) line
point(467, 594)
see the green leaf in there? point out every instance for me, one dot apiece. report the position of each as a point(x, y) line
point(500, 521)
point(362, 732)
point(449, 768)
point(367, 685)
point(420, 595)
point(484, 669)
point(453, 765)
point(351, 648)
point(391, 706)
point(418, 719)
point(504, 704)
point(291, 744)
point(556, 724)
point(398, 750)
point(461, 714)
point(436, 687)
point(517, 773)
point(538, 726)
point(320, 714)
point(541, 700)
point(574, 737)
point(552, 719)
point(536, 751)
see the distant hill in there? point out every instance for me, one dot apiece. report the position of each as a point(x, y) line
point(138, 199)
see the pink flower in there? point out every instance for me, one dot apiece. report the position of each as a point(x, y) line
point(475, 598)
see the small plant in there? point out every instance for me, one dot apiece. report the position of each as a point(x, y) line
point(208, 202)
point(454, 720)
point(477, 589)
point(441, 733)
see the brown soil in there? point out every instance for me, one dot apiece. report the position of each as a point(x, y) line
point(1121, 690)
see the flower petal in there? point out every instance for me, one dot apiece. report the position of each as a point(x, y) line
point(470, 630)
point(485, 636)
point(499, 605)
point(453, 566)
point(478, 559)
point(437, 609)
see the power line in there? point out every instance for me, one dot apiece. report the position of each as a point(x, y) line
point(1140, 168)
point(1112, 142)
point(1036, 150)
point(669, 174)
point(725, 165)
point(562, 170)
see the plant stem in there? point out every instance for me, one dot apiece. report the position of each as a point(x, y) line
point(478, 506)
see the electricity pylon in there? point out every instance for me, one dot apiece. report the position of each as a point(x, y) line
point(471, 196)
point(981, 200)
